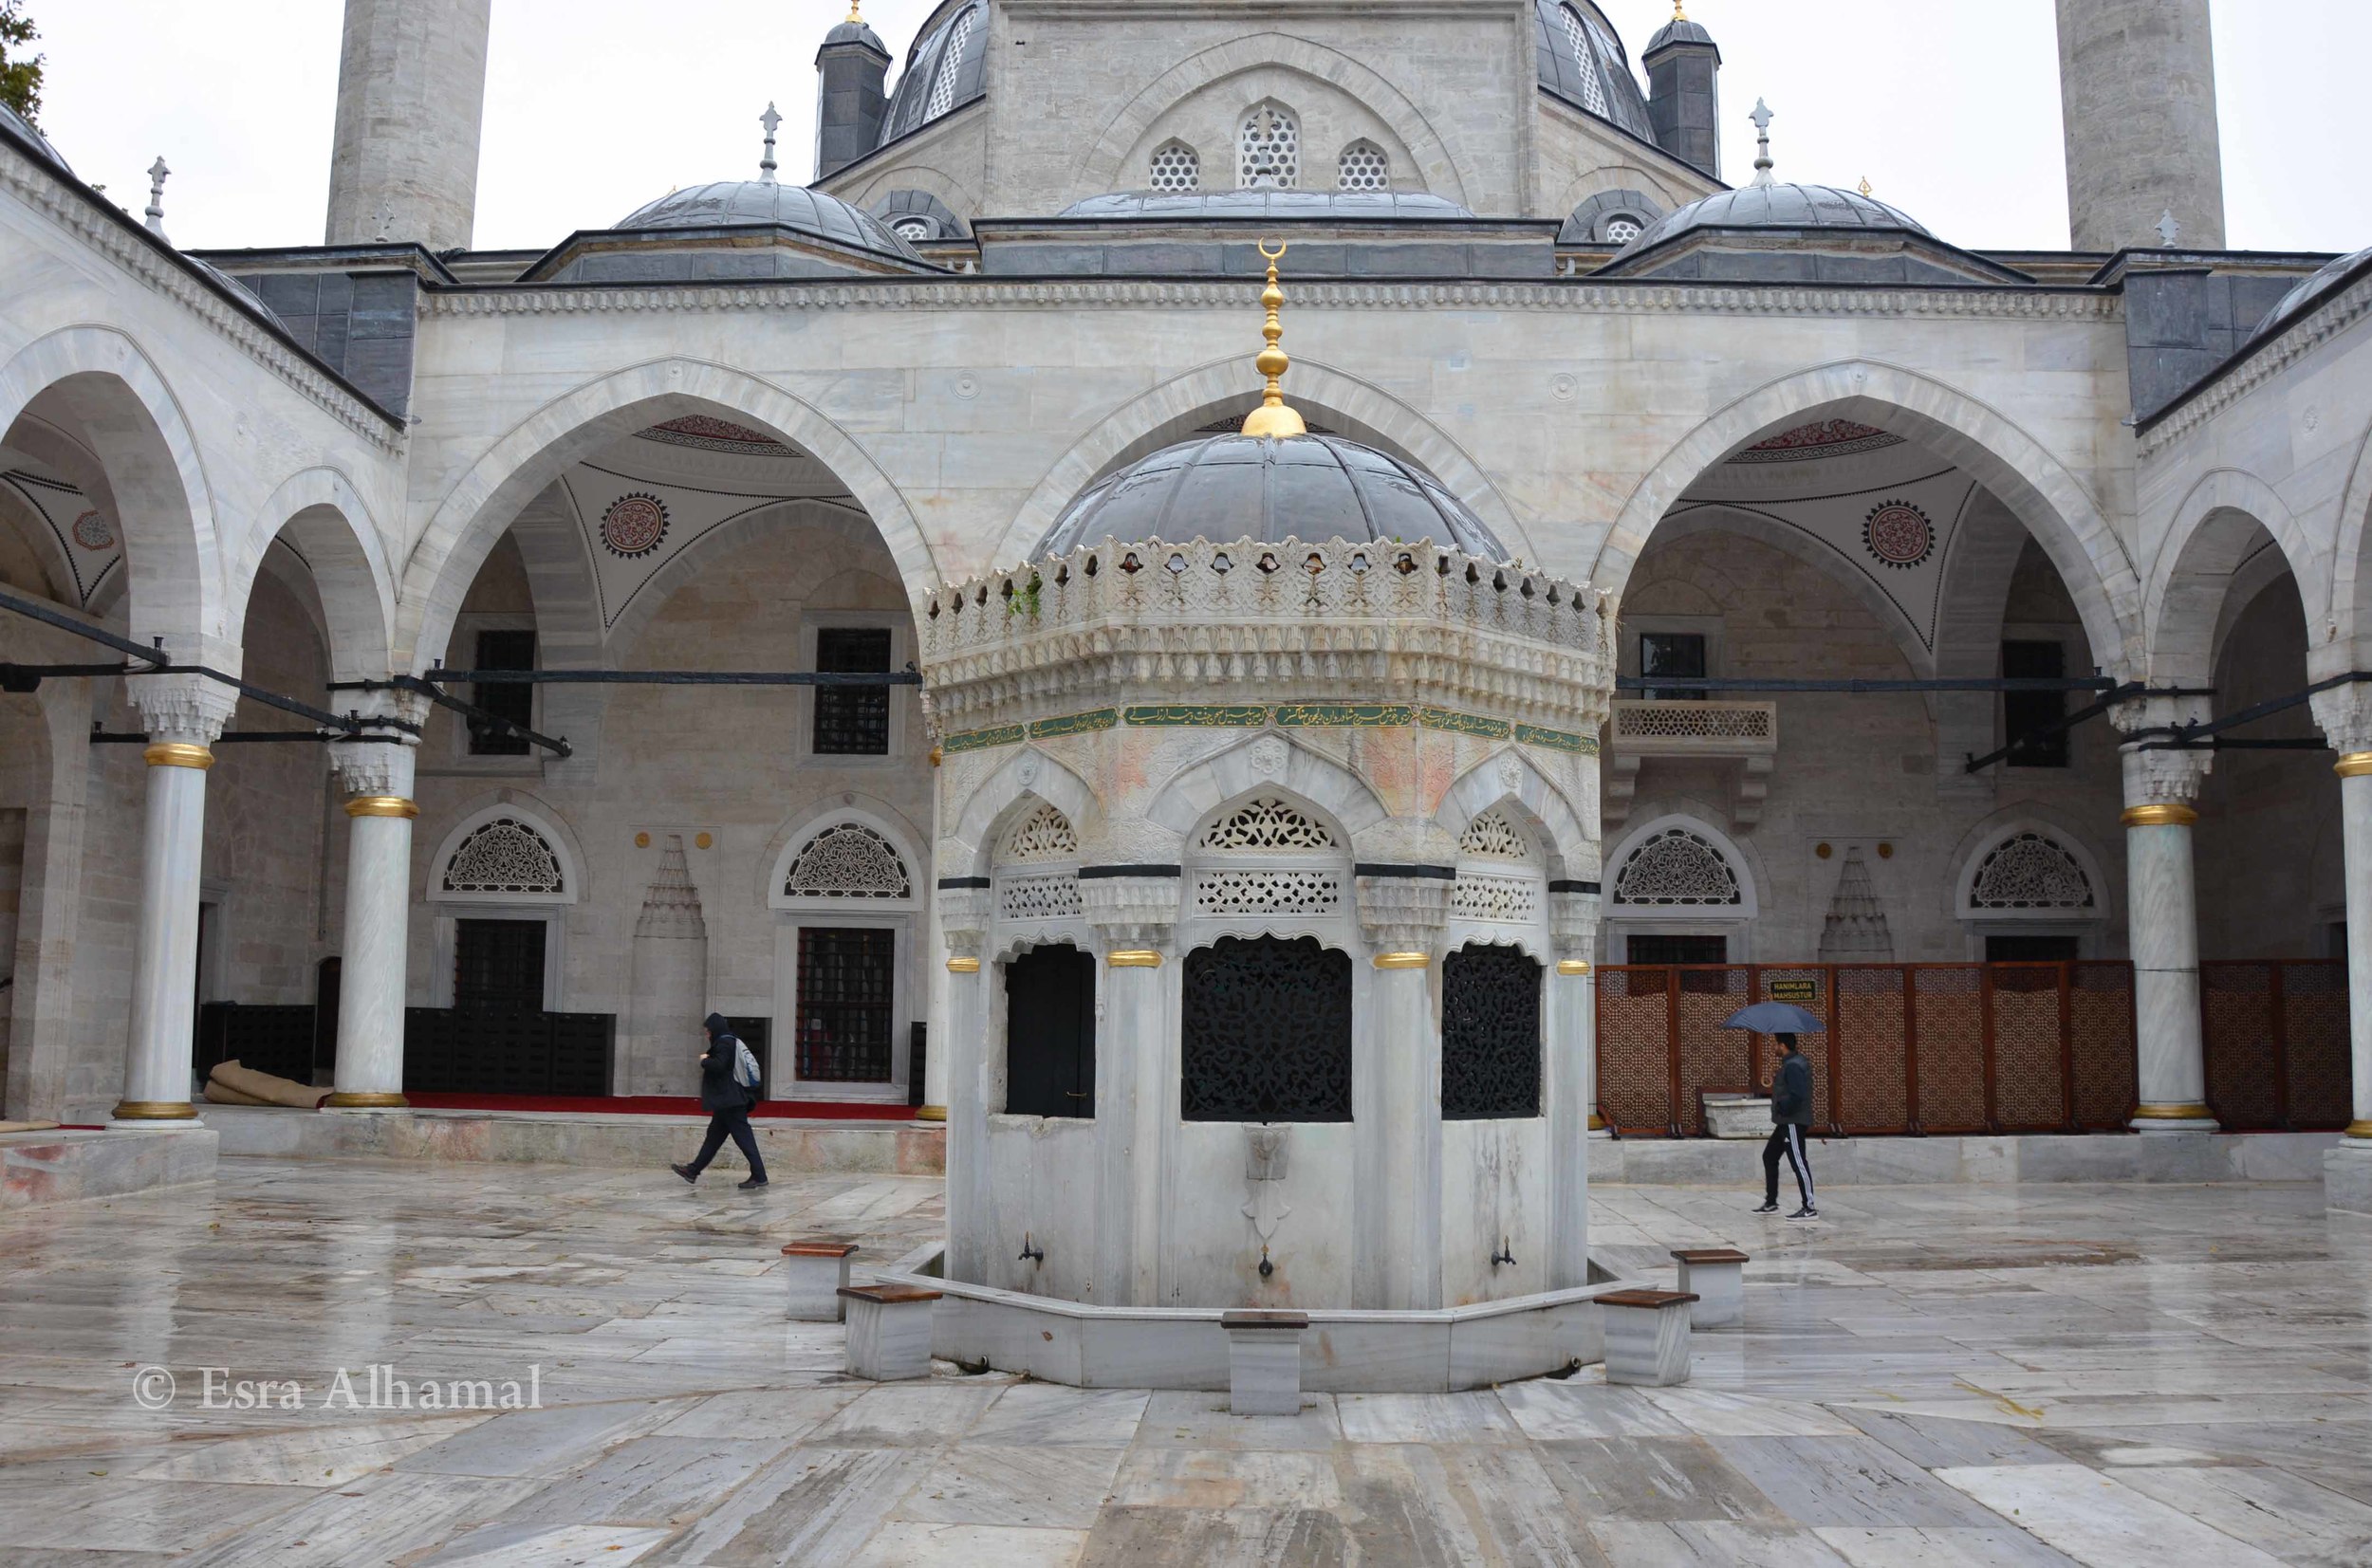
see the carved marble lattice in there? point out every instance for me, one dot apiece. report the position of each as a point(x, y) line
point(1694, 721)
point(1046, 834)
point(1677, 867)
point(1476, 897)
point(1266, 1031)
point(1038, 898)
point(1585, 61)
point(1490, 1034)
point(504, 856)
point(848, 861)
point(1267, 822)
point(1268, 892)
point(950, 62)
point(1270, 146)
point(2029, 871)
point(1492, 836)
point(1176, 168)
point(1364, 166)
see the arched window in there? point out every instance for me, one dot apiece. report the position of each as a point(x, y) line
point(848, 861)
point(1269, 149)
point(1300, 872)
point(505, 856)
point(1266, 1031)
point(1584, 60)
point(1622, 228)
point(1505, 886)
point(1176, 168)
point(1676, 868)
point(1037, 873)
point(950, 60)
point(915, 228)
point(2031, 872)
point(1490, 1034)
point(1364, 166)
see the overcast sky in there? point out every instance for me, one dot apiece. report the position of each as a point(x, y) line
point(1950, 108)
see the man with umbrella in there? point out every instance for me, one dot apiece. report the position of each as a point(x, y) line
point(1790, 1100)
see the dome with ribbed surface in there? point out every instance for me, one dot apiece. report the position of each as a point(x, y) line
point(854, 32)
point(1780, 206)
point(24, 130)
point(2309, 293)
point(728, 202)
point(1309, 487)
point(1580, 60)
point(945, 69)
point(1679, 31)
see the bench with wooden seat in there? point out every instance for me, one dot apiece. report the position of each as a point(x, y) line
point(1717, 1275)
point(1647, 1336)
point(889, 1331)
point(817, 1270)
point(1264, 1360)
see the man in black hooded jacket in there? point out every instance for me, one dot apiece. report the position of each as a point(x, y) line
point(728, 1105)
point(1790, 1113)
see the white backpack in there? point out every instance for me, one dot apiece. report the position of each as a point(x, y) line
point(745, 1067)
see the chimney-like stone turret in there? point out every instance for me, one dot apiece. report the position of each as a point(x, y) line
point(2137, 92)
point(1683, 97)
point(410, 93)
point(851, 77)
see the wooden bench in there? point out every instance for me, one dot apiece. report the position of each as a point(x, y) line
point(1647, 1336)
point(1717, 1275)
point(817, 1272)
point(889, 1331)
point(1264, 1361)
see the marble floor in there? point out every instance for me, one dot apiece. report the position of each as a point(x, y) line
point(1928, 1377)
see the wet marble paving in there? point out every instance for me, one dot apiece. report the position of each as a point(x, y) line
point(1932, 1376)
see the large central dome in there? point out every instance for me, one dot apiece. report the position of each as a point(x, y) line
point(1309, 487)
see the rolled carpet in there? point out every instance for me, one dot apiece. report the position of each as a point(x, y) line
point(263, 1088)
point(222, 1094)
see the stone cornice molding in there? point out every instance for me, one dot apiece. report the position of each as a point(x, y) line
point(76, 211)
point(2323, 323)
point(1583, 298)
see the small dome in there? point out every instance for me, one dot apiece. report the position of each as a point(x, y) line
point(854, 32)
point(21, 128)
point(2310, 292)
point(1343, 206)
point(1309, 487)
point(1679, 31)
point(945, 70)
point(1781, 206)
point(1580, 60)
point(728, 202)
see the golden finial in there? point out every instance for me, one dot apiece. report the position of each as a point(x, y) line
point(1865, 185)
point(1272, 418)
point(1679, 12)
point(853, 15)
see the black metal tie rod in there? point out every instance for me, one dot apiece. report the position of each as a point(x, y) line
point(2193, 737)
point(907, 676)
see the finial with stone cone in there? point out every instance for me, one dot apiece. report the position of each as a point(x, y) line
point(1762, 118)
point(156, 173)
point(766, 164)
point(1273, 418)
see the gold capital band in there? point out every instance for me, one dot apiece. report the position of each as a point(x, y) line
point(2159, 816)
point(155, 1110)
point(2358, 1130)
point(963, 965)
point(1402, 960)
point(1133, 958)
point(365, 1100)
point(930, 1113)
point(1597, 1122)
point(2355, 765)
point(2193, 1112)
point(381, 806)
point(1572, 965)
point(178, 754)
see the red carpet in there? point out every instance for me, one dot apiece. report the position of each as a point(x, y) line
point(660, 1105)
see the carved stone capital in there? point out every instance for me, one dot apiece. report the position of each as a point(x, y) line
point(1131, 912)
point(963, 920)
point(1573, 924)
point(1404, 914)
point(2165, 778)
point(182, 707)
point(373, 768)
point(2345, 714)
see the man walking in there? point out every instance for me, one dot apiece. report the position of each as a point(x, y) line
point(727, 1099)
point(1790, 1113)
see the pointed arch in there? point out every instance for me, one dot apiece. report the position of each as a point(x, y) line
point(324, 522)
point(2213, 532)
point(1025, 779)
point(1266, 763)
point(2052, 504)
point(1508, 780)
point(483, 502)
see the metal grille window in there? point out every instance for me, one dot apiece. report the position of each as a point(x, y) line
point(499, 966)
point(846, 978)
point(1267, 1031)
point(2024, 712)
point(950, 62)
point(1364, 166)
point(852, 721)
point(513, 700)
point(1673, 654)
point(1269, 148)
point(1676, 950)
point(1050, 1033)
point(1490, 1034)
point(1623, 230)
point(1175, 167)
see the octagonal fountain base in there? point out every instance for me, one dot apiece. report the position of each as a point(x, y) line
point(1346, 1351)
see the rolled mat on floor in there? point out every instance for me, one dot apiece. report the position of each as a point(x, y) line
point(263, 1088)
point(28, 1126)
point(219, 1094)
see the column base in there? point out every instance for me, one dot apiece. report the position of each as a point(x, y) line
point(146, 1111)
point(364, 1100)
point(2189, 1116)
point(930, 1113)
point(2361, 1130)
point(2347, 1176)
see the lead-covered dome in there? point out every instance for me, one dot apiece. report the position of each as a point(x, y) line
point(2310, 292)
point(945, 70)
point(728, 202)
point(1309, 487)
point(23, 130)
point(1581, 62)
point(1783, 204)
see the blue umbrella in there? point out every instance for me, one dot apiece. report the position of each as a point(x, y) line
point(1776, 1018)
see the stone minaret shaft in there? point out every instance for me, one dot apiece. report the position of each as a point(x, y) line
point(410, 91)
point(2137, 89)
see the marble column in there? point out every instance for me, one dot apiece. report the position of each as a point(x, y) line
point(2163, 933)
point(958, 1037)
point(1398, 1150)
point(374, 954)
point(933, 1106)
point(183, 714)
point(1569, 1085)
point(1136, 1056)
point(2345, 715)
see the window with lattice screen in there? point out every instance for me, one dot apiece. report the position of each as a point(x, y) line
point(1364, 166)
point(1177, 168)
point(1270, 147)
point(950, 60)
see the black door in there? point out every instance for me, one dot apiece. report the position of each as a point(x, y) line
point(499, 967)
point(1050, 1033)
point(846, 985)
point(1676, 950)
point(326, 983)
point(2032, 949)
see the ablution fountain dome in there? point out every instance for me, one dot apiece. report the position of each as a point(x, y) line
point(1269, 874)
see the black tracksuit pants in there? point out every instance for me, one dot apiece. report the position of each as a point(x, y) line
point(1787, 1139)
point(733, 1124)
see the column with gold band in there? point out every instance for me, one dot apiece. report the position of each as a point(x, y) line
point(374, 954)
point(2163, 922)
point(1570, 1078)
point(1403, 909)
point(962, 918)
point(2345, 711)
point(183, 714)
point(1136, 1079)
